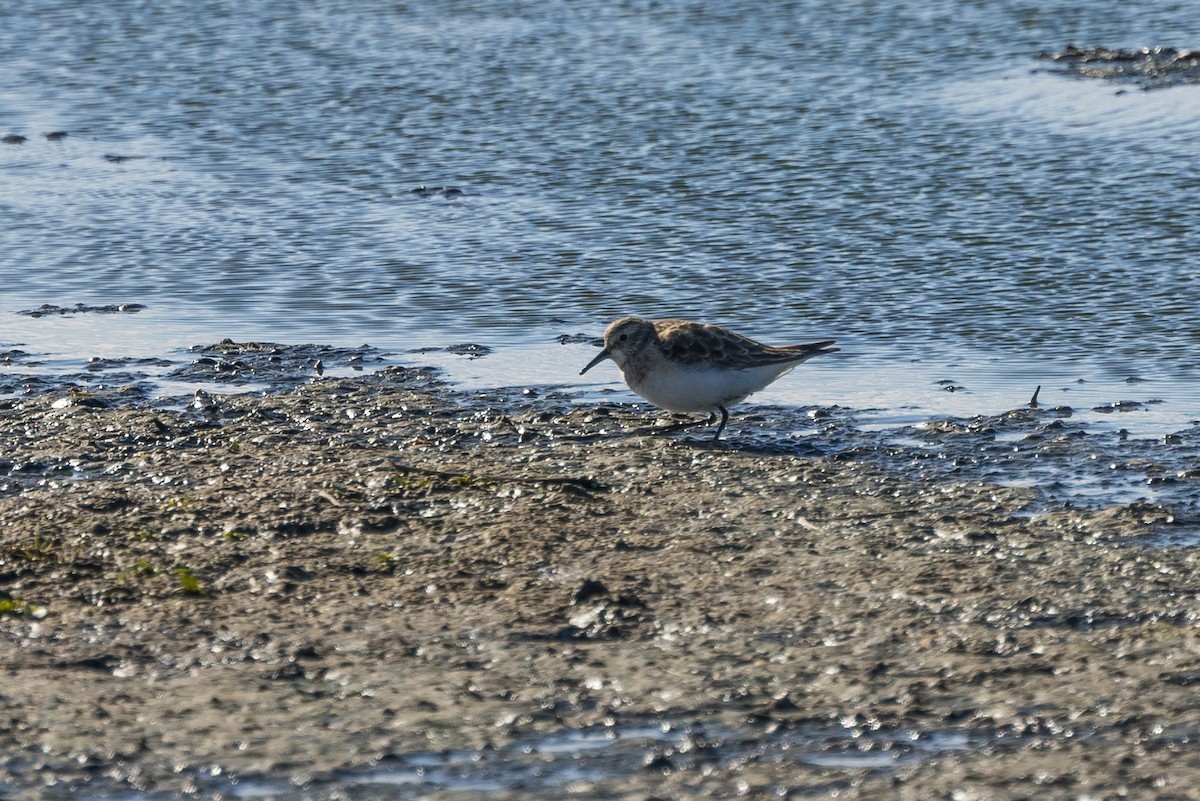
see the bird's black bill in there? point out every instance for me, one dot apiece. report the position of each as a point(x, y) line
point(601, 356)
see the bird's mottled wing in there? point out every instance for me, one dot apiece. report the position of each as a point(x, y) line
point(690, 343)
point(697, 343)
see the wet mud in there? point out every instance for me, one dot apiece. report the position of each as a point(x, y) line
point(1144, 68)
point(268, 364)
point(238, 366)
point(379, 586)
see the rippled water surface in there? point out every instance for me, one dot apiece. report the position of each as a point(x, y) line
point(908, 177)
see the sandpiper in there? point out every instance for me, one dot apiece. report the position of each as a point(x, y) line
point(689, 367)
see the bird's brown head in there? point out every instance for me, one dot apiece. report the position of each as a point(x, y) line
point(624, 337)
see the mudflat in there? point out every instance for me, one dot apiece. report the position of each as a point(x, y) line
point(385, 587)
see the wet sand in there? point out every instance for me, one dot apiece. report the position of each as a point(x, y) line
point(288, 594)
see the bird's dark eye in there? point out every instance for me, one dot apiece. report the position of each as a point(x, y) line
point(623, 337)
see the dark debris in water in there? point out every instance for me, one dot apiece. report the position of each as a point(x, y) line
point(275, 365)
point(20, 384)
point(138, 385)
point(468, 349)
point(580, 339)
point(134, 376)
point(49, 309)
point(16, 356)
point(97, 363)
point(1147, 67)
point(414, 376)
point(448, 192)
point(1121, 406)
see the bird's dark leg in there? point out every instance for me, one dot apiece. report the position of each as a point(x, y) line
point(724, 420)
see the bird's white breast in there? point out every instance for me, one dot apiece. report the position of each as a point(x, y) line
point(693, 389)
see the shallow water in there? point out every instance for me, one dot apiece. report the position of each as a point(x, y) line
point(557, 760)
point(914, 181)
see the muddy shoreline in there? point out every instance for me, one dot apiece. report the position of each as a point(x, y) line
point(385, 587)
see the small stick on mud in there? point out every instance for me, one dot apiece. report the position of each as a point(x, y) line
point(1033, 404)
